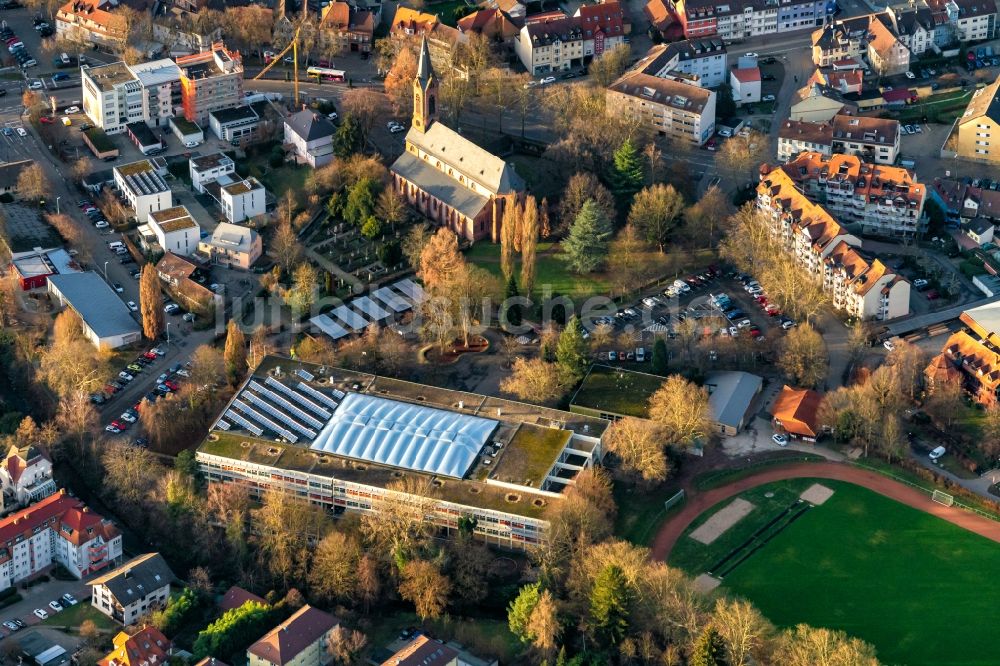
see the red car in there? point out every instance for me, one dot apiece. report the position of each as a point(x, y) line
point(109, 389)
point(151, 356)
point(121, 425)
point(46, 120)
point(171, 385)
point(932, 295)
point(761, 299)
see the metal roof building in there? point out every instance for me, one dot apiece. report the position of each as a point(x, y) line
point(730, 397)
point(399, 434)
point(107, 322)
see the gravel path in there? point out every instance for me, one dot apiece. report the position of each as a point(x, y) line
point(698, 503)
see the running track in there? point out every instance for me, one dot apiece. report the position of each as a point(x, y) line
point(698, 503)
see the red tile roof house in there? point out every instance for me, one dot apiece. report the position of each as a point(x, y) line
point(795, 412)
point(146, 647)
point(300, 640)
point(236, 596)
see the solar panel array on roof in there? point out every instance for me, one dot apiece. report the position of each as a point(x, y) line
point(399, 434)
point(370, 308)
point(299, 398)
point(354, 321)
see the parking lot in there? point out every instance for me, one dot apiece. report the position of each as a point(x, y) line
point(38, 597)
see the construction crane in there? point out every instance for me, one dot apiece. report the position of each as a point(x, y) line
point(294, 47)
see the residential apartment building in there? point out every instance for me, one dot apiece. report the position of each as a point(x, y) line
point(886, 53)
point(442, 40)
point(91, 22)
point(745, 84)
point(242, 199)
point(181, 37)
point(112, 96)
point(964, 20)
point(819, 103)
point(208, 168)
point(974, 352)
point(59, 529)
point(556, 42)
point(175, 230)
point(160, 81)
point(354, 441)
point(210, 81)
point(343, 29)
point(878, 199)
point(872, 139)
point(736, 20)
point(301, 640)
point(863, 288)
point(134, 589)
point(701, 58)
point(232, 245)
point(674, 107)
point(25, 477)
point(144, 188)
point(979, 126)
point(841, 39)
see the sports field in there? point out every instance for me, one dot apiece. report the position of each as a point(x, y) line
point(918, 588)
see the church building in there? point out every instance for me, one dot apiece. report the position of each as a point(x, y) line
point(448, 178)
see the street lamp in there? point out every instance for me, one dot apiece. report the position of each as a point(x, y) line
point(168, 332)
point(106, 270)
point(57, 204)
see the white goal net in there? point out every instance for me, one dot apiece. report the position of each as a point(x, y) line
point(942, 498)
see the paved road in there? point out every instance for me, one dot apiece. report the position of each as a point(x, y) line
point(697, 503)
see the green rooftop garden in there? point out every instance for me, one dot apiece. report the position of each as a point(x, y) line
point(100, 140)
point(615, 391)
point(530, 454)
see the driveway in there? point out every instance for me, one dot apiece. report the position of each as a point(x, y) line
point(39, 596)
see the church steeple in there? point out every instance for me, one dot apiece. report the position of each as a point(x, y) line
point(425, 91)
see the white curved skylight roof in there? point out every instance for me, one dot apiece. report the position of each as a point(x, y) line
point(400, 434)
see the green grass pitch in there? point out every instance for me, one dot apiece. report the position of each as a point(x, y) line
point(918, 588)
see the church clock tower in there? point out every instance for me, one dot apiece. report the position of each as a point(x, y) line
point(425, 91)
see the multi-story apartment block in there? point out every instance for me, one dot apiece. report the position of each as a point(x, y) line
point(355, 442)
point(674, 107)
point(796, 136)
point(143, 186)
point(979, 126)
point(57, 530)
point(112, 96)
point(181, 37)
point(964, 20)
point(839, 40)
point(242, 199)
point(116, 95)
point(872, 139)
point(134, 589)
point(971, 356)
point(736, 20)
point(91, 22)
point(555, 42)
point(886, 53)
point(863, 288)
point(880, 200)
point(210, 81)
point(301, 640)
point(175, 230)
point(161, 90)
point(703, 58)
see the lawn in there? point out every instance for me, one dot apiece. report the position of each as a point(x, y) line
point(880, 571)
point(76, 615)
point(551, 271)
point(641, 511)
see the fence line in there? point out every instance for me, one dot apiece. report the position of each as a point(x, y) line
point(929, 491)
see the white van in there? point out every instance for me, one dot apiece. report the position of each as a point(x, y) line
point(937, 453)
point(65, 58)
point(115, 246)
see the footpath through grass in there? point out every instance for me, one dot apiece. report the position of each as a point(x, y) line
point(913, 585)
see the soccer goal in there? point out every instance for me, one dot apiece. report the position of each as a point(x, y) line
point(942, 498)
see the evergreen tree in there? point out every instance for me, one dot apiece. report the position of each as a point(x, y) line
point(627, 175)
point(609, 606)
point(235, 352)
point(360, 204)
point(660, 357)
point(347, 139)
point(709, 649)
point(586, 245)
point(514, 315)
point(725, 105)
point(571, 352)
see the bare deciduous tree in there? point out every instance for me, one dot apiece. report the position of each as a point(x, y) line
point(682, 409)
point(638, 443)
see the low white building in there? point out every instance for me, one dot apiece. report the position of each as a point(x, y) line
point(143, 186)
point(311, 137)
point(242, 199)
point(232, 245)
point(107, 322)
point(208, 168)
point(175, 230)
point(745, 83)
point(134, 589)
point(59, 529)
point(233, 124)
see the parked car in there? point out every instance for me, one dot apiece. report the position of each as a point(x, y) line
point(132, 306)
point(40, 613)
point(779, 439)
point(55, 605)
point(73, 109)
point(69, 600)
point(767, 98)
